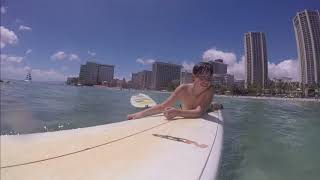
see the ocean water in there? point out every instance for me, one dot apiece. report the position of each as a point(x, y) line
point(270, 140)
point(263, 139)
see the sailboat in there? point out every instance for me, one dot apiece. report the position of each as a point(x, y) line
point(28, 77)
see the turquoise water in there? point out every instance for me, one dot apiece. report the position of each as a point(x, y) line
point(263, 139)
point(40, 107)
point(275, 140)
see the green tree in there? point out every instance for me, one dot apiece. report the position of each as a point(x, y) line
point(173, 85)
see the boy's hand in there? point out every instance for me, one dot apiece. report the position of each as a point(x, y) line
point(170, 113)
point(134, 116)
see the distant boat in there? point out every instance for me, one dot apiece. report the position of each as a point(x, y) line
point(28, 77)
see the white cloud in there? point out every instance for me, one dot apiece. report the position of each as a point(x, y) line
point(24, 28)
point(286, 68)
point(3, 9)
point(91, 53)
point(7, 37)
point(47, 75)
point(188, 66)
point(74, 57)
point(13, 67)
point(60, 55)
point(237, 69)
point(8, 59)
point(234, 67)
point(213, 54)
point(10, 71)
point(145, 61)
point(28, 51)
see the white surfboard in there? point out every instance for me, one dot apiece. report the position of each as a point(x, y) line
point(142, 101)
point(147, 148)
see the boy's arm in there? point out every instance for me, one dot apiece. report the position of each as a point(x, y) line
point(170, 113)
point(160, 107)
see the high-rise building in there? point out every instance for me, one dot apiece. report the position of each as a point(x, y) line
point(307, 30)
point(88, 73)
point(92, 73)
point(135, 80)
point(256, 63)
point(146, 79)
point(142, 80)
point(72, 80)
point(226, 80)
point(239, 84)
point(105, 73)
point(163, 74)
point(218, 66)
point(185, 77)
point(229, 80)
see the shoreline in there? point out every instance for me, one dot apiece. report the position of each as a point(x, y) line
point(271, 98)
point(240, 97)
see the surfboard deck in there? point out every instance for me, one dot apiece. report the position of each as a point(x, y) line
point(147, 148)
point(142, 101)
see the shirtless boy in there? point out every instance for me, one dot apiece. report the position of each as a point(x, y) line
point(195, 97)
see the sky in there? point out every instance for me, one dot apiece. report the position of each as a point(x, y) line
point(52, 38)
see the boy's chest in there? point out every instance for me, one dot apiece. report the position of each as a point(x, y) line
point(191, 101)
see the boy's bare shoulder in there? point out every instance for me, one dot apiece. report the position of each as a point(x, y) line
point(184, 87)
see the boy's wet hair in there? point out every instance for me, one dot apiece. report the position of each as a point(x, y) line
point(203, 69)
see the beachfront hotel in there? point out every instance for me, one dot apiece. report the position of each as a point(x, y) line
point(93, 73)
point(105, 73)
point(218, 66)
point(163, 74)
point(220, 80)
point(146, 79)
point(185, 77)
point(256, 63)
point(142, 80)
point(220, 77)
point(135, 81)
point(307, 30)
